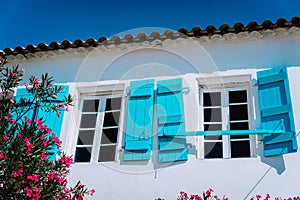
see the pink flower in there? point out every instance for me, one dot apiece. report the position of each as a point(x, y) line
point(3, 156)
point(11, 101)
point(22, 70)
point(3, 94)
point(29, 146)
point(27, 120)
point(19, 135)
point(43, 156)
point(67, 108)
point(66, 160)
point(5, 137)
point(28, 192)
point(12, 121)
point(27, 86)
point(14, 74)
point(268, 196)
point(258, 196)
point(51, 176)
point(34, 177)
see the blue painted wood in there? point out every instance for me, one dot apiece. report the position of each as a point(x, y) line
point(170, 113)
point(139, 121)
point(52, 120)
point(276, 111)
point(173, 155)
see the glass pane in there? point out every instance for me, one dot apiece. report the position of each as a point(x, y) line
point(111, 119)
point(109, 136)
point(85, 137)
point(239, 137)
point(212, 99)
point(238, 112)
point(218, 137)
point(88, 120)
point(113, 104)
point(240, 149)
point(107, 153)
point(239, 126)
point(90, 105)
point(238, 96)
point(83, 154)
point(212, 127)
point(212, 115)
point(213, 150)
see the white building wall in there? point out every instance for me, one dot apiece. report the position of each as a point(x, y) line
point(237, 178)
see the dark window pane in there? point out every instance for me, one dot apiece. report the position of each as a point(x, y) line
point(90, 105)
point(218, 137)
point(238, 96)
point(238, 112)
point(239, 136)
point(212, 99)
point(83, 154)
point(111, 119)
point(109, 136)
point(212, 127)
point(213, 150)
point(88, 120)
point(239, 126)
point(107, 153)
point(212, 115)
point(240, 149)
point(113, 104)
point(85, 137)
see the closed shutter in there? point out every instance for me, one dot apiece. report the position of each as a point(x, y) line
point(276, 112)
point(138, 135)
point(170, 113)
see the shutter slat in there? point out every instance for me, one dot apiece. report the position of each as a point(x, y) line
point(275, 110)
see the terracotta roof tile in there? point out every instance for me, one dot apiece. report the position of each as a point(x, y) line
point(195, 32)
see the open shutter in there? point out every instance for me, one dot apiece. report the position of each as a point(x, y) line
point(53, 120)
point(170, 113)
point(276, 112)
point(138, 136)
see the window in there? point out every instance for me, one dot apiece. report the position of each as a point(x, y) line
point(226, 109)
point(98, 129)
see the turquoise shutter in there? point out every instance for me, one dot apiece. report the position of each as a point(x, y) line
point(170, 113)
point(22, 93)
point(51, 119)
point(138, 136)
point(276, 112)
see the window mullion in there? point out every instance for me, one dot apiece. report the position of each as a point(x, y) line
point(98, 131)
point(225, 123)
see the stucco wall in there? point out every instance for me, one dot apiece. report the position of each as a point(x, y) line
point(236, 178)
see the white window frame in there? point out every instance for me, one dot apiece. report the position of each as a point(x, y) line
point(226, 84)
point(98, 91)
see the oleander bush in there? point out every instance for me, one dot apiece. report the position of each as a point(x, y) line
point(28, 168)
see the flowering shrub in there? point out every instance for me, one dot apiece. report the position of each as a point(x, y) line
point(27, 169)
point(208, 195)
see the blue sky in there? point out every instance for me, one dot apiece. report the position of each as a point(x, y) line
point(25, 22)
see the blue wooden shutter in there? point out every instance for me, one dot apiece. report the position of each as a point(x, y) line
point(170, 113)
point(138, 136)
point(276, 112)
point(51, 119)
